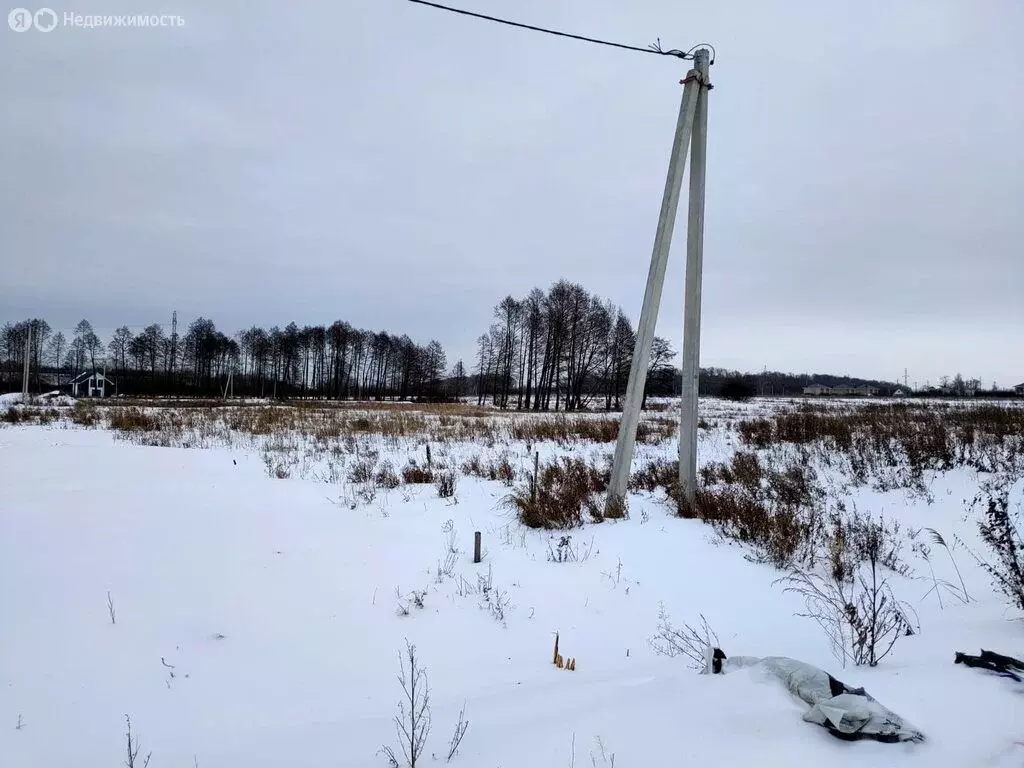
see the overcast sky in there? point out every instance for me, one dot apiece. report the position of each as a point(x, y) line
point(403, 169)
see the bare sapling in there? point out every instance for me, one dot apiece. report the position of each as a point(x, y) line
point(412, 723)
point(460, 731)
point(133, 749)
point(601, 757)
point(110, 608)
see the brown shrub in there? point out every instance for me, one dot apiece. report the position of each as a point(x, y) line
point(85, 414)
point(565, 429)
point(13, 415)
point(504, 471)
point(777, 535)
point(133, 420)
point(565, 489)
point(386, 477)
point(757, 433)
point(657, 473)
point(413, 474)
point(746, 469)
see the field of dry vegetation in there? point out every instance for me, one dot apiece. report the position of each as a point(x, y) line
point(767, 467)
point(781, 478)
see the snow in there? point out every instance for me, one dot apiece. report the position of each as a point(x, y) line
point(9, 400)
point(275, 602)
point(55, 398)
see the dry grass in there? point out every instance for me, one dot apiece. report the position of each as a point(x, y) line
point(774, 511)
point(500, 469)
point(437, 423)
point(924, 437)
point(30, 415)
point(133, 420)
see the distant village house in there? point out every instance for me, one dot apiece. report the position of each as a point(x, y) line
point(91, 384)
point(822, 389)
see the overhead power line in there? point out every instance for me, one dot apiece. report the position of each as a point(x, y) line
point(655, 48)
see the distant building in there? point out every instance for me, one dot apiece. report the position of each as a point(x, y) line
point(821, 389)
point(91, 384)
point(817, 389)
point(900, 392)
point(1019, 389)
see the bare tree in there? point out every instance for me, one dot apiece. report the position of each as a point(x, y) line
point(661, 357)
point(85, 345)
point(118, 348)
point(55, 353)
point(458, 380)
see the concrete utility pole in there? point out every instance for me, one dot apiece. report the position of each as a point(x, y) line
point(694, 279)
point(694, 94)
point(25, 374)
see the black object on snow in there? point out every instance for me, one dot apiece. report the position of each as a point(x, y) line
point(994, 662)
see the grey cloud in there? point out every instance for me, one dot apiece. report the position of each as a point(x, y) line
point(404, 169)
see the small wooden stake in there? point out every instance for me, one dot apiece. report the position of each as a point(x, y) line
point(536, 467)
point(476, 546)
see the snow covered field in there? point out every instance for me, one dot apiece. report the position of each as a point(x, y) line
point(258, 614)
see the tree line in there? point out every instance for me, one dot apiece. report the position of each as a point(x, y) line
point(557, 349)
point(337, 361)
point(560, 349)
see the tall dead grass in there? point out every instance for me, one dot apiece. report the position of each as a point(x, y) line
point(430, 422)
point(911, 437)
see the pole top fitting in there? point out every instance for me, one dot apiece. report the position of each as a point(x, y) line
point(702, 63)
point(695, 75)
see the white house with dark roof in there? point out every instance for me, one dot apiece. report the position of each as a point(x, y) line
point(91, 384)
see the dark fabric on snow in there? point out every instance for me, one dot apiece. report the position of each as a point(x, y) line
point(993, 662)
